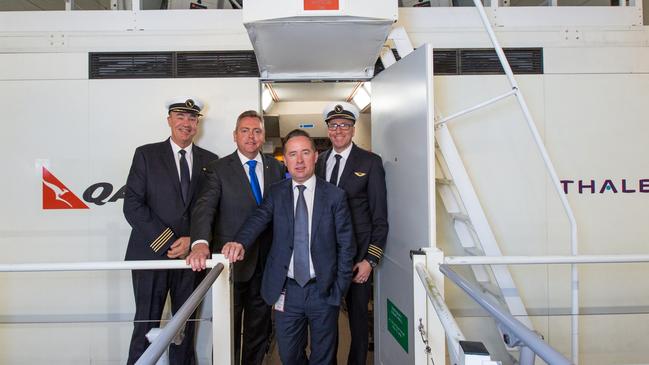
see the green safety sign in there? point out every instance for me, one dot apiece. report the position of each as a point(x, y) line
point(398, 325)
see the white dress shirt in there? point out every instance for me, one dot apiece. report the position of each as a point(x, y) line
point(259, 169)
point(331, 162)
point(309, 194)
point(188, 156)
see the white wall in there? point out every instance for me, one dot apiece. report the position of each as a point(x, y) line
point(83, 131)
point(594, 127)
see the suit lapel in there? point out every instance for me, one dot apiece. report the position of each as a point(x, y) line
point(167, 157)
point(321, 168)
point(267, 176)
point(287, 204)
point(350, 166)
point(318, 207)
point(240, 173)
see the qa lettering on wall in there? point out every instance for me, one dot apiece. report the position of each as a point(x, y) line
point(57, 196)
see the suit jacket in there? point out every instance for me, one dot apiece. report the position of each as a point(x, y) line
point(153, 203)
point(332, 247)
point(363, 179)
point(225, 202)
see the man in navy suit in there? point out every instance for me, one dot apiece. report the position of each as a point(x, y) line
point(234, 187)
point(161, 184)
point(309, 265)
point(360, 173)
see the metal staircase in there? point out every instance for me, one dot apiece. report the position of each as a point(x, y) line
point(471, 225)
point(462, 203)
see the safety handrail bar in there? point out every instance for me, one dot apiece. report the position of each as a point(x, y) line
point(531, 339)
point(453, 332)
point(99, 265)
point(545, 260)
point(161, 343)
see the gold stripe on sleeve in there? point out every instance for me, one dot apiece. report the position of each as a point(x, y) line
point(159, 242)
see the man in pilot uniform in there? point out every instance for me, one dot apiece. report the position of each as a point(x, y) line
point(162, 182)
point(361, 175)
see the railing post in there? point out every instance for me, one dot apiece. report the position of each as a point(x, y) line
point(424, 310)
point(222, 345)
point(420, 314)
point(527, 356)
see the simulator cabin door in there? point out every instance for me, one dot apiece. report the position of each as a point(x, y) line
point(403, 135)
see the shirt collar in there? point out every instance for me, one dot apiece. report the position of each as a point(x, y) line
point(245, 159)
point(344, 153)
point(309, 183)
point(175, 148)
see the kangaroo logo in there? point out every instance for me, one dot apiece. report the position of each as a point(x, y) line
point(57, 196)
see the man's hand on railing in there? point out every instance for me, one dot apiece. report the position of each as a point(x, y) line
point(199, 255)
point(233, 251)
point(179, 248)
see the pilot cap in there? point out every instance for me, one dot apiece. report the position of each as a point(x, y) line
point(340, 110)
point(185, 104)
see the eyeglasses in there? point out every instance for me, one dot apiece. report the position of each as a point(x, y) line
point(342, 126)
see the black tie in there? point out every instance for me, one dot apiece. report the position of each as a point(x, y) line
point(334, 173)
point(184, 176)
point(301, 272)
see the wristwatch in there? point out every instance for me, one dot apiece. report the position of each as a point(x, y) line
point(372, 263)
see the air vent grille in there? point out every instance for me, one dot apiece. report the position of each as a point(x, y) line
point(217, 64)
point(131, 65)
point(148, 65)
point(463, 61)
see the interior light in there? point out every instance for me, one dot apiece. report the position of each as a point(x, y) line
point(266, 99)
point(368, 87)
point(361, 98)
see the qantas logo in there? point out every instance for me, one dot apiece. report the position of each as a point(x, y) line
point(58, 196)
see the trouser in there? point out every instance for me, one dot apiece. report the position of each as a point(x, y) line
point(150, 288)
point(256, 320)
point(357, 299)
point(306, 312)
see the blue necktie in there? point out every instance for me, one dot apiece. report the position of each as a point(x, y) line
point(301, 272)
point(254, 183)
point(184, 176)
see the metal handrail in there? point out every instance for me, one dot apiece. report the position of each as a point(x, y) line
point(545, 260)
point(222, 303)
point(531, 339)
point(158, 347)
point(99, 266)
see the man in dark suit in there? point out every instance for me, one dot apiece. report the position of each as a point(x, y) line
point(234, 188)
point(309, 265)
point(360, 173)
point(160, 188)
